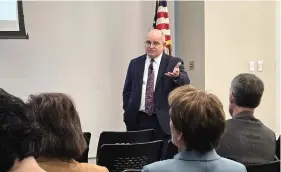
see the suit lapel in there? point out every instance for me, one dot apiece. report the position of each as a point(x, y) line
point(162, 67)
point(141, 64)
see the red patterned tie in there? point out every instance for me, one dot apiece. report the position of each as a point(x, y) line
point(149, 105)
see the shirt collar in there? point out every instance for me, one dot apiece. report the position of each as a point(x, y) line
point(191, 155)
point(157, 59)
point(245, 115)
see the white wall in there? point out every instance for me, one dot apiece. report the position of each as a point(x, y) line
point(80, 48)
point(234, 33)
point(190, 37)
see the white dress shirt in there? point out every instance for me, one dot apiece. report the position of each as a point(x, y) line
point(156, 65)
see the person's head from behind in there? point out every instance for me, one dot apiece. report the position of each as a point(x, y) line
point(245, 93)
point(19, 132)
point(197, 119)
point(57, 116)
point(155, 43)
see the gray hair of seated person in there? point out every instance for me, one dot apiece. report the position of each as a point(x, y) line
point(247, 90)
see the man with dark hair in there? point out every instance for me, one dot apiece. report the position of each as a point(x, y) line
point(197, 123)
point(19, 136)
point(246, 139)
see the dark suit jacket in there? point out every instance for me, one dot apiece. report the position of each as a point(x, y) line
point(247, 140)
point(164, 85)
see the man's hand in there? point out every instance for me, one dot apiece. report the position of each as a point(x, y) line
point(176, 71)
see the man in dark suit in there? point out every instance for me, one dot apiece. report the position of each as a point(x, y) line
point(149, 80)
point(246, 139)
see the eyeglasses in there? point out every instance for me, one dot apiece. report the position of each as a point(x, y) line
point(149, 43)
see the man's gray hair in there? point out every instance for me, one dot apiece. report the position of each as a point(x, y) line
point(247, 90)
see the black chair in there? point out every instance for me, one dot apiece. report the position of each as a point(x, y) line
point(119, 137)
point(84, 156)
point(278, 148)
point(132, 170)
point(171, 151)
point(270, 167)
point(119, 157)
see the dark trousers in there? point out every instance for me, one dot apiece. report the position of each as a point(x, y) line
point(151, 122)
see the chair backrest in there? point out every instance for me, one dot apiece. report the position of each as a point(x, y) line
point(132, 170)
point(171, 151)
point(119, 157)
point(87, 136)
point(270, 167)
point(278, 148)
point(119, 137)
point(84, 156)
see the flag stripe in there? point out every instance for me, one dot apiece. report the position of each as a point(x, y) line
point(162, 9)
point(168, 37)
point(162, 15)
point(162, 22)
point(162, 26)
point(166, 32)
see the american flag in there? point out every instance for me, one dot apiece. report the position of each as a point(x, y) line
point(161, 22)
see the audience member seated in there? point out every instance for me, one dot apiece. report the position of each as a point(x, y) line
point(197, 122)
point(246, 138)
point(19, 134)
point(63, 140)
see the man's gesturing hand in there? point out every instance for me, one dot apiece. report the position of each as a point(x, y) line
point(176, 71)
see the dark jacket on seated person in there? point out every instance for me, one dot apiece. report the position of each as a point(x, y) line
point(247, 140)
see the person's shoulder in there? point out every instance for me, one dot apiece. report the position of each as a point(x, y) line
point(270, 132)
point(230, 122)
point(173, 58)
point(165, 165)
point(140, 57)
point(136, 59)
point(92, 168)
point(232, 166)
point(230, 126)
point(267, 128)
